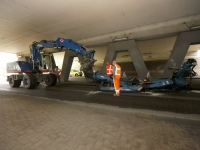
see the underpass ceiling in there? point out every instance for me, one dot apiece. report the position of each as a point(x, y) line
point(93, 22)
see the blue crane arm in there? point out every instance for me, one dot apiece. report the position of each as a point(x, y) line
point(37, 47)
point(88, 56)
point(70, 44)
point(77, 47)
point(187, 68)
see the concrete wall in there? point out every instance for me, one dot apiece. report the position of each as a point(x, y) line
point(156, 68)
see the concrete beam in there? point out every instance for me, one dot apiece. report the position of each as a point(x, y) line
point(53, 62)
point(135, 55)
point(181, 46)
point(67, 64)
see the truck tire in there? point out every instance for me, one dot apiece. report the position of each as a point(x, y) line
point(30, 81)
point(54, 79)
point(51, 79)
point(13, 82)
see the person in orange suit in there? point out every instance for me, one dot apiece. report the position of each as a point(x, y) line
point(57, 72)
point(108, 68)
point(116, 77)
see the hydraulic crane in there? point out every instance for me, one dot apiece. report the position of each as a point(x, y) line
point(40, 66)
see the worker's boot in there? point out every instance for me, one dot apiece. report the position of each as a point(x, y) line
point(116, 94)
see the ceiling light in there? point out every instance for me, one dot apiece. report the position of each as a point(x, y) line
point(148, 53)
point(120, 39)
point(125, 56)
point(198, 53)
point(195, 27)
point(20, 56)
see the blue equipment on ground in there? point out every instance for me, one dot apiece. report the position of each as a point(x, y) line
point(177, 82)
point(126, 84)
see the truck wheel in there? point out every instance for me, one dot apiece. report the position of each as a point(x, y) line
point(18, 83)
point(54, 79)
point(13, 82)
point(51, 79)
point(76, 75)
point(30, 81)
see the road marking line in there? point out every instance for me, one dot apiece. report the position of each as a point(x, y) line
point(93, 92)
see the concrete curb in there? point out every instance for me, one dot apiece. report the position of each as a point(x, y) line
point(142, 113)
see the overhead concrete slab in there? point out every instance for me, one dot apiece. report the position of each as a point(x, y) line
point(25, 21)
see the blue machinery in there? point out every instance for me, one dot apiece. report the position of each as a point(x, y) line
point(33, 72)
point(177, 82)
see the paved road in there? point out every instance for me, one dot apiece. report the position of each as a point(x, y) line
point(34, 123)
point(69, 117)
point(186, 103)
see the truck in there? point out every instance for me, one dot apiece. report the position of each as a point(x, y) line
point(39, 68)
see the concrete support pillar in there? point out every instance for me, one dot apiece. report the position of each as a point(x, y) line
point(135, 55)
point(67, 64)
point(53, 62)
point(181, 46)
point(89, 74)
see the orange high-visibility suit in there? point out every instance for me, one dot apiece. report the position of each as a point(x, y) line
point(116, 78)
point(109, 69)
point(57, 72)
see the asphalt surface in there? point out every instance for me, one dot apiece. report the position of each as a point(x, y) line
point(159, 100)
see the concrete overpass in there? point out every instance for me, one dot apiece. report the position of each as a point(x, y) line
point(152, 34)
point(153, 25)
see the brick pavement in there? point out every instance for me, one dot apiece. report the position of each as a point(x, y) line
point(33, 123)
